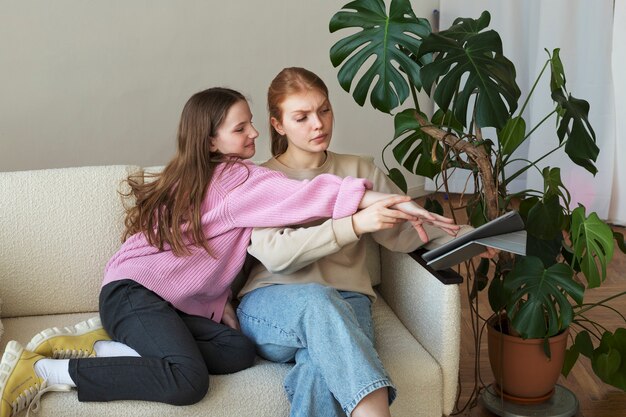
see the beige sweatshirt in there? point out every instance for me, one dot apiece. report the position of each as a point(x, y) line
point(328, 252)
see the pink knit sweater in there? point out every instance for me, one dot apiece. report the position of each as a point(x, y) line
point(241, 196)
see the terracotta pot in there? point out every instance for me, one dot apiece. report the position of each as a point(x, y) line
point(521, 368)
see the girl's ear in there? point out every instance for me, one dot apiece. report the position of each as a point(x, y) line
point(212, 146)
point(277, 126)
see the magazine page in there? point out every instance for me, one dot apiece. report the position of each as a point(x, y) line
point(505, 233)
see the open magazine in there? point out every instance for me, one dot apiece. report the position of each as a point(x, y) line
point(505, 233)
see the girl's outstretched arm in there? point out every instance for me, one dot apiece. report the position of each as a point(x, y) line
point(404, 204)
point(259, 197)
point(370, 197)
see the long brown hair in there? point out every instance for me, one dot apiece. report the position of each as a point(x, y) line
point(168, 206)
point(289, 81)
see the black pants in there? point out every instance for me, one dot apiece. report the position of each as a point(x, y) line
point(178, 351)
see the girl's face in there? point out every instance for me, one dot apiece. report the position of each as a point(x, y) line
point(236, 135)
point(307, 121)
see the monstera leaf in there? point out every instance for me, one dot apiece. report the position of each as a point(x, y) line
point(414, 151)
point(546, 218)
point(574, 124)
point(592, 241)
point(538, 305)
point(464, 50)
point(394, 38)
point(582, 344)
point(512, 135)
point(553, 185)
point(609, 359)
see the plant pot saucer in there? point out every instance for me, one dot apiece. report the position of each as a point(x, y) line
point(563, 403)
point(521, 400)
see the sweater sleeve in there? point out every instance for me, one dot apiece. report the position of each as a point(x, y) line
point(286, 250)
point(268, 198)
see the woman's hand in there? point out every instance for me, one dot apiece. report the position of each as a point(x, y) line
point(490, 253)
point(229, 318)
point(380, 216)
point(424, 216)
point(405, 205)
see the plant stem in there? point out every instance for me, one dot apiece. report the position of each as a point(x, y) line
point(521, 112)
point(590, 331)
point(540, 123)
point(414, 94)
point(477, 154)
point(382, 154)
point(506, 159)
point(534, 164)
point(589, 306)
point(417, 109)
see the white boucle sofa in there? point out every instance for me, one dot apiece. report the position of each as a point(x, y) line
point(59, 227)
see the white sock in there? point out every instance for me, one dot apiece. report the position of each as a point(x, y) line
point(55, 371)
point(110, 348)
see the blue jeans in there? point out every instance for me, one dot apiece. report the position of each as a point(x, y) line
point(328, 333)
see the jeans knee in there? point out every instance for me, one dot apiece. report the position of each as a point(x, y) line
point(322, 296)
point(320, 292)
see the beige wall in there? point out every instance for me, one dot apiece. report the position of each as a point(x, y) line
point(103, 82)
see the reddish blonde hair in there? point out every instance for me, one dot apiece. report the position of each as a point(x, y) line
point(289, 81)
point(167, 208)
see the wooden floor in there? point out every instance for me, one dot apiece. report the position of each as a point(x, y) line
point(595, 397)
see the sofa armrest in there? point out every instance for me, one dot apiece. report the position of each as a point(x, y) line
point(430, 310)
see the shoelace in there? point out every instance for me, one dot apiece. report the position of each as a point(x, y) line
point(31, 397)
point(72, 354)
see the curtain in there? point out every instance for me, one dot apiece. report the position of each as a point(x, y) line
point(617, 210)
point(583, 31)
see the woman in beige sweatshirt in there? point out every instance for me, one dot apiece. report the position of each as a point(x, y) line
point(309, 299)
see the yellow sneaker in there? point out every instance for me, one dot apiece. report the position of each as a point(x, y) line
point(20, 387)
point(69, 342)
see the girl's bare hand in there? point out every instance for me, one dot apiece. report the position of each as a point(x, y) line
point(229, 317)
point(426, 217)
point(380, 216)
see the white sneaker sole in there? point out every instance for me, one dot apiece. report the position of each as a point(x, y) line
point(10, 358)
point(79, 329)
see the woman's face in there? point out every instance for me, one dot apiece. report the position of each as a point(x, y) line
point(236, 135)
point(307, 121)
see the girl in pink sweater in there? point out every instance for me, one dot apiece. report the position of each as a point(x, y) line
point(165, 296)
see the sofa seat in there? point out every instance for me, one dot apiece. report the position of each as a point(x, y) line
point(238, 394)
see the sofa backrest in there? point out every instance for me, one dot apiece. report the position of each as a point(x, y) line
point(58, 228)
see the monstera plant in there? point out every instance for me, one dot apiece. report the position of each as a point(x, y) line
point(390, 57)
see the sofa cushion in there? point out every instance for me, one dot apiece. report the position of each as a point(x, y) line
point(258, 391)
